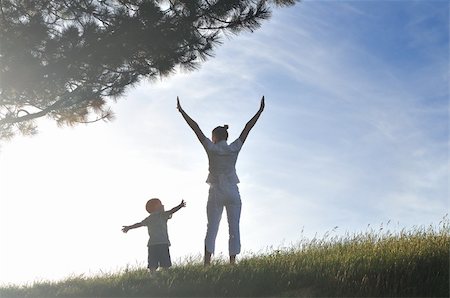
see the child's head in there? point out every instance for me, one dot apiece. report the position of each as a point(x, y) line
point(154, 205)
point(220, 133)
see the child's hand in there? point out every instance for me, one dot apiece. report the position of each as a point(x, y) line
point(125, 229)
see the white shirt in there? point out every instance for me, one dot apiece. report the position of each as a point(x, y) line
point(222, 161)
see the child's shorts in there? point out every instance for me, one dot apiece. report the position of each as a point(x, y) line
point(159, 256)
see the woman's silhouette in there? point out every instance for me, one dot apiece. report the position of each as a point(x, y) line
point(222, 178)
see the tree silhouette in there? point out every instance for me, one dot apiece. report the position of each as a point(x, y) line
point(64, 59)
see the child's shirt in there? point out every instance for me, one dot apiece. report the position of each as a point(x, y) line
point(157, 227)
point(222, 161)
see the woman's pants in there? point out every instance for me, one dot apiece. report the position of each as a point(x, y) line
point(221, 196)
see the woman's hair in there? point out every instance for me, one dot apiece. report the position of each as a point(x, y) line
point(221, 132)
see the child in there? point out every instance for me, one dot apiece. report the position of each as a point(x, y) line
point(158, 244)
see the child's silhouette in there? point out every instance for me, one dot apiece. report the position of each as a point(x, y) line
point(158, 243)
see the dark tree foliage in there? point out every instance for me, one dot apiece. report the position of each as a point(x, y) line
point(64, 59)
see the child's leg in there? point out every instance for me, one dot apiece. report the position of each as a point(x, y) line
point(153, 261)
point(152, 270)
point(164, 256)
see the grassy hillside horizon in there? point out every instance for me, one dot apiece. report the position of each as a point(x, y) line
point(413, 263)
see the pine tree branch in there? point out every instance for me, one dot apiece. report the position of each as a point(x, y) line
point(31, 116)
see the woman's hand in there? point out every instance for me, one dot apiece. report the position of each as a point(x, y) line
point(178, 105)
point(251, 123)
point(192, 124)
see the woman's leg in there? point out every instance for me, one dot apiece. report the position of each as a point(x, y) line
point(214, 209)
point(233, 208)
point(207, 257)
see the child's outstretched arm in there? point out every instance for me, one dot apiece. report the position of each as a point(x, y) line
point(127, 228)
point(252, 122)
point(175, 209)
point(192, 124)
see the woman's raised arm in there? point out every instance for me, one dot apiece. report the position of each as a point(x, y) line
point(192, 124)
point(252, 122)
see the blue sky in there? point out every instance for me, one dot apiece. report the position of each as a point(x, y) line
point(355, 133)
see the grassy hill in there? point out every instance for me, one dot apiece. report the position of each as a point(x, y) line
point(371, 264)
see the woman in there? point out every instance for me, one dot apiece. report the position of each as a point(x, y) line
point(222, 178)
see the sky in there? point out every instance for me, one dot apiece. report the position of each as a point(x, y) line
point(354, 136)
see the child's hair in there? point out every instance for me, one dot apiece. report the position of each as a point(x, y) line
point(221, 132)
point(153, 205)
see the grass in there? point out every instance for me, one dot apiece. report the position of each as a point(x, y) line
point(412, 263)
